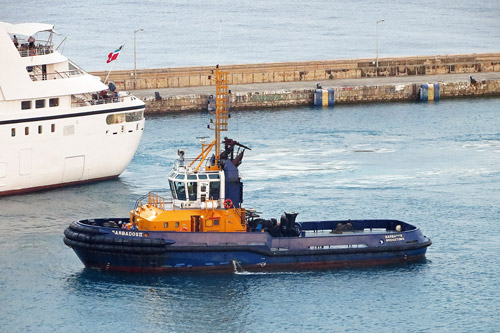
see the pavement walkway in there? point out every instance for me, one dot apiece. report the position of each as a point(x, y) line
point(299, 85)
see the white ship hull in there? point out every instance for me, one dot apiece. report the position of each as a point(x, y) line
point(58, 124)
point(81, 149)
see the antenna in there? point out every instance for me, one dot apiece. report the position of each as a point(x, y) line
point(220, 38)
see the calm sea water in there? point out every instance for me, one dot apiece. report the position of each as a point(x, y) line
point(180, 33)
point(435, 165)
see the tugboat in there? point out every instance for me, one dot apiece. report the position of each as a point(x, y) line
point(203, 226)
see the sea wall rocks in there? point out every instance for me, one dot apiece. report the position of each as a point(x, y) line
point(343, 95)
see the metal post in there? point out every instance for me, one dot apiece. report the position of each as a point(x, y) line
point(135, 61)
point(376, 33)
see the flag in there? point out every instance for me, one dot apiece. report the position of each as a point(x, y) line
point(113, 55)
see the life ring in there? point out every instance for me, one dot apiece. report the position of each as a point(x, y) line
point(183, 229)
point(228, 203)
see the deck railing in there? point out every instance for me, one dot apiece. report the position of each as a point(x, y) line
point(96, 101)
point(154, 199)
point(26, 51)
point(56, 75)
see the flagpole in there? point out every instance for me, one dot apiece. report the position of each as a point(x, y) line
point(114, 63)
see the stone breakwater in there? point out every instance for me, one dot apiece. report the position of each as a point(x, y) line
point(294, 83)
point(343, 95)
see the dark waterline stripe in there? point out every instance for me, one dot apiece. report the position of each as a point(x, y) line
point(90, 113)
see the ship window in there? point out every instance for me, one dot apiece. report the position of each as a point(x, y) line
point(177, 224)
point(25, 105)
point(216, 222)
point(181, 190)
point(192, 190)
point(13, 132)
point(53, 102)
point(165, 225)
point(202, 176)
point(115, 119)
point(39, 103)
point(180, 176)
point(214, 176)
point(26, 131)
point(39, 129)
point(134, 116)
point(124, 117)
point(214, 190)
point(172, 189)
point(191, 177)
point(53, 128)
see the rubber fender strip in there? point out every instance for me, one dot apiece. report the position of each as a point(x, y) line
point(84, 229)
point(114, 248)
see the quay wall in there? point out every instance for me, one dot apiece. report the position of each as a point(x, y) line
point(343, 95)
point(304, 71)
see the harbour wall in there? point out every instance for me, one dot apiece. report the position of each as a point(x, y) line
point(342, 95)
point(304, 71)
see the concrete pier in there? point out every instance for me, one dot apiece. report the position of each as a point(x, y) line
point(292, 84)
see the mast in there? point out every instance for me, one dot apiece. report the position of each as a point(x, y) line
point(221, 119)
point(222, 107)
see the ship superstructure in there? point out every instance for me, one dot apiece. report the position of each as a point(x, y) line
point(59, 125)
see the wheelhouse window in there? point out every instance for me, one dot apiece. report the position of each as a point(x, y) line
point(13, 132)
point(39, 103)
point(180, 190)
point(214, 190)
point(172, 189)
point(192, 190)
point(53, 102)
point(25, 105)
point(39, 129)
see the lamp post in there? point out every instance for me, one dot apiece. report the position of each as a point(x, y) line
point(135, 61)
point(376, 33)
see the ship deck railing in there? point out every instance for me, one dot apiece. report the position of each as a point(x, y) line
point(186, 165)
point(161, 201)
point(26, 51)
point(56, 75)
point(96, 100)
point(155, 199)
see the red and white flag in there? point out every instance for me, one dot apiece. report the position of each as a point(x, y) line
point(114, 55)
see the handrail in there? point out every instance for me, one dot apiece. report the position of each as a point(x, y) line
point(97, 101)
point(56, 75)
point(25, 51)
point(154, 199)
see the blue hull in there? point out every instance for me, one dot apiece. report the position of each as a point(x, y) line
point(108, 248)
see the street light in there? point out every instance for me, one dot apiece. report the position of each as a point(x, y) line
point(135, 61)
point(376, 33)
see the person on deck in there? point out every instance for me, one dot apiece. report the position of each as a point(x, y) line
point(31, 40)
